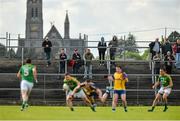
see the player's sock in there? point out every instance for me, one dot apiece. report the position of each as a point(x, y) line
point(93, 108)
point(23, 105)
point(113, 110)
point(152, 109)
point(94, 105)
point(165, 107)
point(125, 109)
point(26, 105)
point(72, 109)
point(108, 89)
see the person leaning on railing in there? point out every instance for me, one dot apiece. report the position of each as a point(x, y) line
point(63, 58)
point(76, 57)
point(88, 66)
point(113, 44)
point(102, 49)
point(47, 49)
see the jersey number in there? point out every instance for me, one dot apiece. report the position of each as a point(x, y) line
point(26, 72)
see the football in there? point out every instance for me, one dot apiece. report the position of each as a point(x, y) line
point(65, 87)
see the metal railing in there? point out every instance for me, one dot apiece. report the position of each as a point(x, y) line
point(139, 89)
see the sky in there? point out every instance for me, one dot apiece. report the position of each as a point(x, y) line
point(97, 18)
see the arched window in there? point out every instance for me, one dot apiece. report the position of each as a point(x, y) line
point(36, 12)
point(32, 12)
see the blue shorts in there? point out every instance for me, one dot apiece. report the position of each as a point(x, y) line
point(119, 92)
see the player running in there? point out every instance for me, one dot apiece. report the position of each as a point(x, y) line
point(166, 85)
point(27, 74)
point(119, 79)
point(92, 91)
point(72, 84)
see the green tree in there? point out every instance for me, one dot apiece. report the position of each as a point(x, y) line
point(145, 54)
point(173, 36)
point(2, 50)
point(130, 43)
point(133, 55)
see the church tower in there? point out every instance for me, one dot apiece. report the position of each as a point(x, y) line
point(34, 25)
point(66, 27)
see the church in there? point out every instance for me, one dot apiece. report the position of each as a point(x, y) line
point(32, 42)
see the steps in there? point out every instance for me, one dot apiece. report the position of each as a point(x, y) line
point(49, 89)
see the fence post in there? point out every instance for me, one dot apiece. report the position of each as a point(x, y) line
point(9, 45)
point(109, 69)
point(137, 91)
point(66, 65)
point(22, 55)
point(44, 90)
point(6, 44)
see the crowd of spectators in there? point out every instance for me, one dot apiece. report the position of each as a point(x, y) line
point(162, 54)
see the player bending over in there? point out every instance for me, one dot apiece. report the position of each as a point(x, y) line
point(166, 85)
point(27, 74)
point(72, 84)
point(92, 91)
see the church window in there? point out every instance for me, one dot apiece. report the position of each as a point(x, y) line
point(36, 12)
point(32, 12)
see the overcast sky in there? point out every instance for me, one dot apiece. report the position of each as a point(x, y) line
point(94, 17)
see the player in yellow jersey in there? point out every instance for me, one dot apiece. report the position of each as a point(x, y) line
point(119, 79)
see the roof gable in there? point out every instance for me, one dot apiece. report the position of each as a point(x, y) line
point(54, 33)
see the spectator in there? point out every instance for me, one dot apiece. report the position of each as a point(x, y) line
point(102, 49)
point(154, 47)
point(177, 51)
point(166, 47)
point(113, 44)
point(168, 62)
point(63, 59)
point(47, 49)
point(77, 61)
point(88, 66)
point(157, 63)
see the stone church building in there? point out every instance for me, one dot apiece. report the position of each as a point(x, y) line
point(32, 42)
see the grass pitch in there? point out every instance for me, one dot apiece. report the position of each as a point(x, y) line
point(85, 113)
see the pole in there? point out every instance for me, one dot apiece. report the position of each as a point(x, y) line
point(6, 44)
point(165, 32)
point(9, 45)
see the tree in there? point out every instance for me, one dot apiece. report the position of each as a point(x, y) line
point(173, 36)
point(2, 50)
point(133, 55)
point(130, 43)
point(11, 53)
point(145, 54)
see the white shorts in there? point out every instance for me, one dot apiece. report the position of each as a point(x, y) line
point(162, 90)
point(25, 85)
point(79, 94)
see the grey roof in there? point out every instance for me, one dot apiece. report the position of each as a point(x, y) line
point(54, 31)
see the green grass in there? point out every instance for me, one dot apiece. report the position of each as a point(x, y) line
point(85, 113)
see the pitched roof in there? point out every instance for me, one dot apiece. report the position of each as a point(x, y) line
point(54, 33)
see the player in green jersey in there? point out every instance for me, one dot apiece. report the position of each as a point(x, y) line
point(166, 85)
point(72, 84)
point(27, 74)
